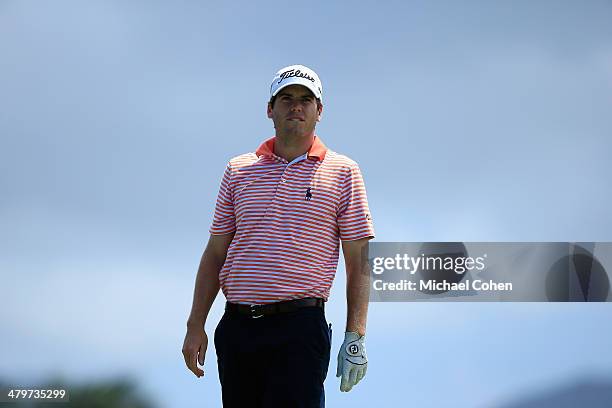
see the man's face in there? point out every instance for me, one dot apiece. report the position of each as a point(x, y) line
point(296, 111)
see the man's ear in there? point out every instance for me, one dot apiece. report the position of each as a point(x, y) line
point(320, 110)
point(269, 110)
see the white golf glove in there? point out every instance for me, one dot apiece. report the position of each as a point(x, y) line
point(352, 361)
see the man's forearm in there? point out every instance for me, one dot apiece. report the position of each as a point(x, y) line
point(357, 287)
point(206, 287)
point(357, 296)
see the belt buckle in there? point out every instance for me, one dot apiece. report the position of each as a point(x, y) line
point(254, 310)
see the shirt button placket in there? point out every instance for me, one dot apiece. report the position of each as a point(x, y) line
point(284, 175)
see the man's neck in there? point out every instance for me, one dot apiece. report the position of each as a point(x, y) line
point(290, 147)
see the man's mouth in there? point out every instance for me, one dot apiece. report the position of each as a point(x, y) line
point(295, 118)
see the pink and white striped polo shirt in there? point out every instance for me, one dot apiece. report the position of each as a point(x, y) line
point(288, 220)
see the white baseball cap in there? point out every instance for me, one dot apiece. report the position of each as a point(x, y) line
point(297, 75)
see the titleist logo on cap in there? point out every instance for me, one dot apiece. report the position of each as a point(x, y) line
point(294, 73)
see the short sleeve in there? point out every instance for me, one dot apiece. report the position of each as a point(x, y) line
point(354, 219)
point(224, 220)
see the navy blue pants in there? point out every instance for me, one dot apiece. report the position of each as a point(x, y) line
point(273, 361)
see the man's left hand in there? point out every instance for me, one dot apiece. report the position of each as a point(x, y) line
point(352, 361)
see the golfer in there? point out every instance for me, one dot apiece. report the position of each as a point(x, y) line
point(281, 214)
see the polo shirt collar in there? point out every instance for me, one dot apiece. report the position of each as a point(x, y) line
point(316, 151)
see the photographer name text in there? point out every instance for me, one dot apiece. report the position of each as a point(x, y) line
point(443, 285)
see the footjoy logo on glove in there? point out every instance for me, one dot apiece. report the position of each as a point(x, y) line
point(353, 349)
point(294, 73)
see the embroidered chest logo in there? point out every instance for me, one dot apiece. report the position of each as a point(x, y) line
point(308, 194)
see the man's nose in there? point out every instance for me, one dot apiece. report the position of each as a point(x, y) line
point(296, 105)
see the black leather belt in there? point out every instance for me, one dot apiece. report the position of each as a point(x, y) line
point(256, 311)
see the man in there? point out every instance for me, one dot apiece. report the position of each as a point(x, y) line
point(280, 216)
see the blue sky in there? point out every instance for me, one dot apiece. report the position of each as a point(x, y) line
point(477, 121)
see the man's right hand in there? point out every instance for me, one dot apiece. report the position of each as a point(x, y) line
point(206, 289)
point(194, 349)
